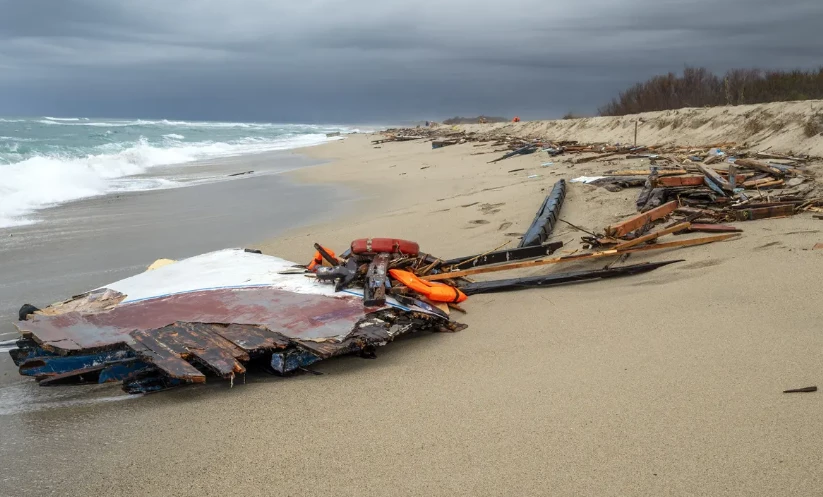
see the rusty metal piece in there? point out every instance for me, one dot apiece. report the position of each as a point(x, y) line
point(374, 289)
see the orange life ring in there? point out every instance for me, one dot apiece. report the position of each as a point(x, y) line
point(318, 259)
point(384, 245)
point(434, 291)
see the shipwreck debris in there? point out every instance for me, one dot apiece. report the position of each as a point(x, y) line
point(801, 390)
point(208, 315)
point(546, 217)
point(559, 278)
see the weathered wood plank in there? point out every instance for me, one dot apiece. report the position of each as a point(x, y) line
point(759, 166)
point(692, 180)
point(652, 236)
point(715, 178)
point(631, 224)
point(579, 257)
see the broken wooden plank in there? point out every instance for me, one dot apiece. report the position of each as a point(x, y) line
point(644, 172)
point(631, 224)
point(691, 180)
point(770, 184)
point(652, 236)
point(712, 228)
point(578, 257)
point(759, 166)
point(764, 213)
point(711, 159)
point(594, 157)
point(765, 155)
point(715, 178)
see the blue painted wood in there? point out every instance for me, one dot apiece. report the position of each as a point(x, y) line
point(120, 370)
point(26, 350)
point(53, 365)
point(288, 361)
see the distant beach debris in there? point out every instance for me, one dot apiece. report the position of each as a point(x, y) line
point(475, 120)
point(333, 134)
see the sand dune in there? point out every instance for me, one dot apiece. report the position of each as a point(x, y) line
point(776, 126)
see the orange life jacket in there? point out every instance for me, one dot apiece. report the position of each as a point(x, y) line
point(433, 290)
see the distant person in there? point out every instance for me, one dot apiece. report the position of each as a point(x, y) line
point(427, 124)
point(516, 119)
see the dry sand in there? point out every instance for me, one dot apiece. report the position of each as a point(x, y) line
point(668, 383)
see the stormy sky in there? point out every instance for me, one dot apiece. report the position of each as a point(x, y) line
point(375, 61)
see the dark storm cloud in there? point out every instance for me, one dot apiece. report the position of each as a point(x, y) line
point(360, 60)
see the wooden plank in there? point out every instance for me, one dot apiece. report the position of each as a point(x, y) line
point(771, 184)
point(713, 228)
point(780, 157)
point(752, 183)
point(631, 224)
point(711, 159)
point(644, 172)
point(712, 175)
point(693, 180)
point(583, 160)
point(652, 236)
point(579, 257)
point(759, 166)
point(763, 213)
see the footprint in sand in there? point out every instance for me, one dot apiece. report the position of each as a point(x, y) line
point(490, 208)
point(504, 226)
point(479, 221)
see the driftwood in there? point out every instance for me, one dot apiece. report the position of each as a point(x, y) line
point(631, 224)
point(759, 166)
point(579, 257)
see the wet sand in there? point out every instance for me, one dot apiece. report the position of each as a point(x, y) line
point(668, 383)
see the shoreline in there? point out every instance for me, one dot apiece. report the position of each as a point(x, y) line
point(664, 383)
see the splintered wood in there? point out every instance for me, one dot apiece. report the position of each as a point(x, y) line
point(633, 223)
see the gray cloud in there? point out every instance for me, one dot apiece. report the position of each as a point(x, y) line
point(366, 60)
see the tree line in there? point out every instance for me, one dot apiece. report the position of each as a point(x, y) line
point(699, 87)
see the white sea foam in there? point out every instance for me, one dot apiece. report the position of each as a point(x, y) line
point(174, 136)
point(62, 118)
point(46, 180)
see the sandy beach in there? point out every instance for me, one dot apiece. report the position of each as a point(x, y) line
point(667, 383)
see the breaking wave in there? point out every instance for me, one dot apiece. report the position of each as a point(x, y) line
point(52, 176)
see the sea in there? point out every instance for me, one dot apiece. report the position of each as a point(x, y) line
point(48, 161)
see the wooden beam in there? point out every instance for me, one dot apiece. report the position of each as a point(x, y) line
point(759, 166)
point(713, 228)
point(763, 212)
point(652, 236)
point(631, 224)
point(693, 180)
point(578, 257)
point(714, 177)
point(644, 172)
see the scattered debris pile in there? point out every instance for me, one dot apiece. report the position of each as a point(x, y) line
point(221, 313)
point(710, 187)
point(216, 314)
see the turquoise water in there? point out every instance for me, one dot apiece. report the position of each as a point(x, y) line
point(46, 161)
